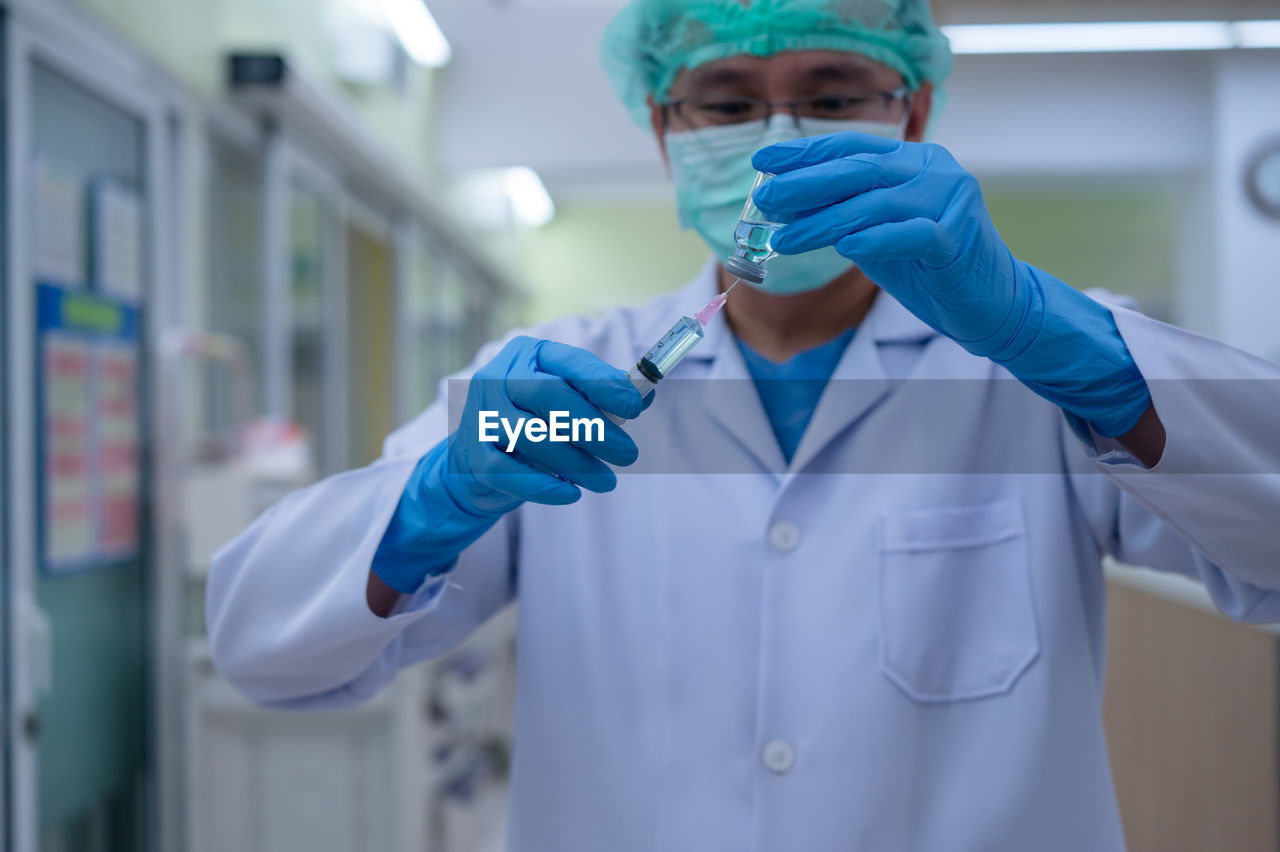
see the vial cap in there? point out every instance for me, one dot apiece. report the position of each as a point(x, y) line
point(746, 270)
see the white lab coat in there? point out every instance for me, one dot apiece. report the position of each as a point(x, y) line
point(856, 653)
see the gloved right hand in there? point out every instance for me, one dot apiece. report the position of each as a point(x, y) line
point(914, 221)
point(463, 485)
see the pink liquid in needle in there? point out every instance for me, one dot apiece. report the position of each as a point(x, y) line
point(713, 307)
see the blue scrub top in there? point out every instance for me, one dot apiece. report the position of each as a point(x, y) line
point(790, 391)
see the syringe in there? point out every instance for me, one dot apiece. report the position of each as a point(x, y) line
point(656, 364)
point(753, 238)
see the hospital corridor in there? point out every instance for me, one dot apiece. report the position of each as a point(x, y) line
point(640, 426)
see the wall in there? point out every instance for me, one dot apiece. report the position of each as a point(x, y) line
point(597, 255)
point(190, 40)
point(1187, 119)
point(1095, 234)
point(1245, 245)
point(1092, 235)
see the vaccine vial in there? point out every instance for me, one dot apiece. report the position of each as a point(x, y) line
point(753, 236)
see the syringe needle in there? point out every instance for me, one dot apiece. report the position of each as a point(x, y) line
point(713, 307)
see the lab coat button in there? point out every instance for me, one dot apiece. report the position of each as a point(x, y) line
point(784, 536)
point(779, 757)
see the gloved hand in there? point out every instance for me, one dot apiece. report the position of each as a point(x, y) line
point(914, 221)
point(462, 486)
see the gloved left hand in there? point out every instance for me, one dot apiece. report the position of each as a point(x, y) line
point(464, 484)
point(914, 221)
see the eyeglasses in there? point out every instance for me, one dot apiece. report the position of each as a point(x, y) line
point(701, 111)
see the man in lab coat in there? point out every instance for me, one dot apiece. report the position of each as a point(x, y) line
point(857, 601)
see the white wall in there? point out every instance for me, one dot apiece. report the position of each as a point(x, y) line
point(526, 88)
point(1246, 256)
point(553, 109)
point(1117, 114)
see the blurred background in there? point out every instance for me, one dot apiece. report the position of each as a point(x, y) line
point(244, 239)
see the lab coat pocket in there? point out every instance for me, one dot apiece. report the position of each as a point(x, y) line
point(957, 619)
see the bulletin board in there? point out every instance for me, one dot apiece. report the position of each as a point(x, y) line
point(89, 447)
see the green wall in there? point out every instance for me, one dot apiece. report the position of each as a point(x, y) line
point(1122, 240)
point(597, 255)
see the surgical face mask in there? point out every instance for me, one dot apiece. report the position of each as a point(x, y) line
point(712, 172)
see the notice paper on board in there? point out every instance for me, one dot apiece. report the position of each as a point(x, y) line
point(90, 431)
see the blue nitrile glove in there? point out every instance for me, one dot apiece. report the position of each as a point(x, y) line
point(463, 485)
point(914, 221)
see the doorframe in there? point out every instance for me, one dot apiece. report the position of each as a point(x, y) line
point(289, 162)
point(6, 803)
point(58, 38)
point(407, 252)
point(286, 164)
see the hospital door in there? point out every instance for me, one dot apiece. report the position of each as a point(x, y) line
point(83, 151)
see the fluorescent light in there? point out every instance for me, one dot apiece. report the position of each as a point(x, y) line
point(417, 32)
point(530, 201)
point(1093, 37)
point(1258, 33)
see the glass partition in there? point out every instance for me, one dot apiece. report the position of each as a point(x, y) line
point(306, 334)
point(234, 297)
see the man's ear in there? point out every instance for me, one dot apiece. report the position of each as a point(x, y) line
point(659, 131)
point(921, 108)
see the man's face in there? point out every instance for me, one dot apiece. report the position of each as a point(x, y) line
point(828, 83)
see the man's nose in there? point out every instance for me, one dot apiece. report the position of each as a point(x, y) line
point(784, 111)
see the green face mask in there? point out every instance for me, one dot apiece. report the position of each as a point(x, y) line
point(712, 172)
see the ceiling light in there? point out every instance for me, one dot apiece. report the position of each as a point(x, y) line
point(417, 32)
point(1258, 33)
point(1095, 37)
point(530, 201)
